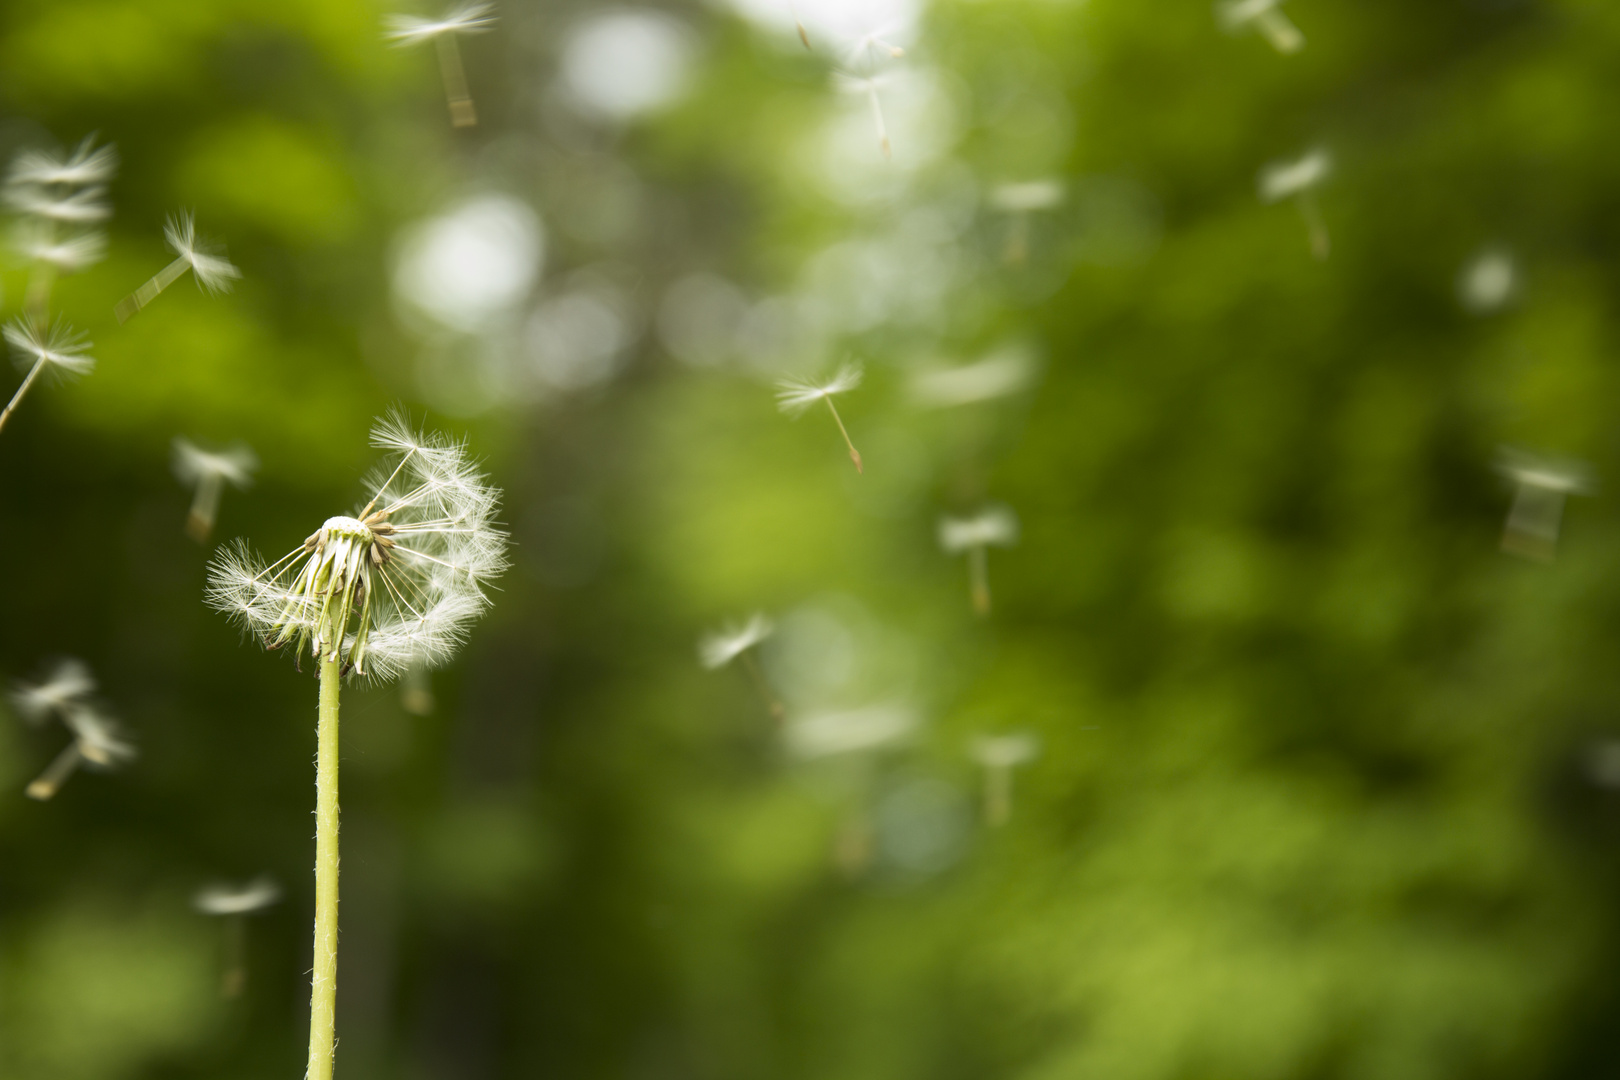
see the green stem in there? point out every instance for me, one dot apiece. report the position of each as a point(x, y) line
point(323, 983)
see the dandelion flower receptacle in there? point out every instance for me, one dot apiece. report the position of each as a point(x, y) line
point(794, 396)
point(994, 526)
point(60, 349)
point(467, 18)
point(393, 586)
point(208, 472)
point(214, 273)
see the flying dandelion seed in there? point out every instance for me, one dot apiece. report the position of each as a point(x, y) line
point(869, 86)
point(849, 731)
point(999, 755)
point(62, 350)
point(394, 586)
point(736, 642)
point(468, 18)
point(993, 526)
point(67, 686)
point(794, 396)
point(1489, 282)
point(999, 375)
point(209, 472)
point(1264, 16)
point(1541, 485)
point(1019, 202)
point(232, 904)
point(1298, 180)
point(86, 166)
point(52, 192)
point(872, 47)
point(416, 692)
point(213, 272)
point(97, 742)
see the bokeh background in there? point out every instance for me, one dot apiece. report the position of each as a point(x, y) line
point(1326, 785)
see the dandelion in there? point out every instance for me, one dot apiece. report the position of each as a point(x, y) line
point(994, 525)
point(871, 48)
point(210, 471)
point(999, 755)
point(1489, 282)
point(869, 86)
point(1019, 201)
point(467, 18)
point(213, 272)
point(735, 642)
point(97, 742)
point(392, 587)
point(794, 396)
point(67, 686)
point(232, 904)
point(1265, 16)
point(1299, 180)
point(77, 208)
point(62, 256)
point(1541, 486)
point(62, 350)
point(849, 731)
point(998, 375)
point(87, 165)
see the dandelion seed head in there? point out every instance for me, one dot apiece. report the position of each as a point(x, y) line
point(396, 584)
point(244, 899)
point(234, 464)
point(87, 165)
point(725, 645)
point(67, 685)
point(469, 18)
point(1283, 179)
point(61, 348)
point(794, 396)
point(993, 526)
point(1006, 751)
point(213, 272)
point(1558, 475)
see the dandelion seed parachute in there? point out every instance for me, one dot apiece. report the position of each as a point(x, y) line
point(392, 587)
point(721, 648)
point(68, 684)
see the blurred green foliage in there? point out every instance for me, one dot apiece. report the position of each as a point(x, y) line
point(1320, 792)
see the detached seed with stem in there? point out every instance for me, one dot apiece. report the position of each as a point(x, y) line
point(739, 643)
point(999, 755)
point(231, 904)
point(1019, 202)
point(993, 526)
point(794, 396)
point(212, 272)
point(1541, 485)
point(61, 350)
point(467, 18)
point(1267, 18)
point(209, 472)
point(1299, 180)
point(67, 685)
point(97, 742)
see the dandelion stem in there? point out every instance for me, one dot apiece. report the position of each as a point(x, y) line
point(979, 578)
point(56, 773)
point(323, 982)
point(129, 305)
point(16, 398)
point(854, 454)
point(462, 113)
point(758, 676)
point(1321, 243)
point(204, 507)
